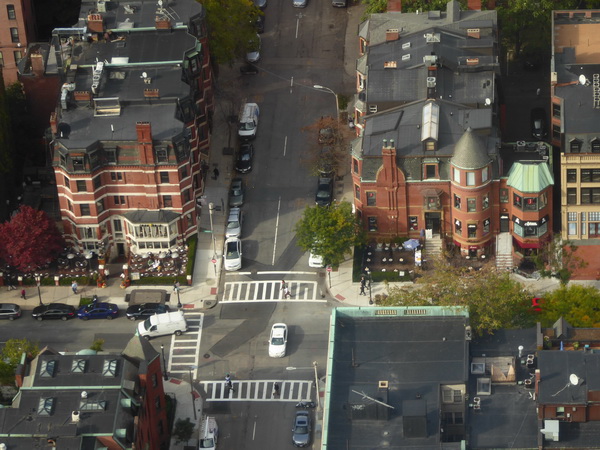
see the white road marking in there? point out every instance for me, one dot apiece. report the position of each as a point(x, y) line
point(258, 391)
point(269, 291)
point(276, 230)
point(185, 352)
point(284, 146)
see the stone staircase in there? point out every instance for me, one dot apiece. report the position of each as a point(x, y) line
point(433, 247)
point(504, 259)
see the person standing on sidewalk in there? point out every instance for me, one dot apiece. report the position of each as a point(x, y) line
point(74, 287)
point(176, 286)
point(23, 294)
point(363, 284)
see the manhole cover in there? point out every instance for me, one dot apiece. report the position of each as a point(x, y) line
point(206, 355)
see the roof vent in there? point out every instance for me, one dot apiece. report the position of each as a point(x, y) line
point(84, 394)
point(75, 416)
point(390, 64)
point(392, 34)
point(406, 57)
point(431, 38)
point(383, 384)
point(431, 82)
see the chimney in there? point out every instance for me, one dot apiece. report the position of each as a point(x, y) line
point(392, 34)
point(474, 5)
point(95, 23)
point(144, 132)
point(394, 6)
point(538, 380)
point(162, 23)
point(54, 123)
point(453, 11)
point(37, 63)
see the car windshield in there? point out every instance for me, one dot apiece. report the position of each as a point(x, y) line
point(277, 341)
point(233, 225)
point(236, 192)
point(147, 324)
point(207, 443)
point(322, 194)
point(301, 430)
point(232, 251)
point(247, 126)
point(245, 157)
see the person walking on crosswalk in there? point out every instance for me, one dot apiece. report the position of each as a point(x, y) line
point(229, 383)
point(285, 289)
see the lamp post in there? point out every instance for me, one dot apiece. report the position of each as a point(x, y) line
point(192, 393)
point(211, 208)
point(370, 292)
point(179, 305)
point(314, 366)
point(337, 102)
point(38, 280)
point(165, 374)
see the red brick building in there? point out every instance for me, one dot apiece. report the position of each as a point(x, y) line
point(17, 29)
point(131, 128)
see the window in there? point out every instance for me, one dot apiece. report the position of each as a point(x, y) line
point(116, 176)
point(357, 191)
point(157, 402)
point(430, 171)
point(413, 222)
point(572, 229)
point(571, 175)
point(81, 186)
point(67, 183)
point(486, 226)
point(164, 177)
point(590, 196)
point(484, 174)
point(162, 156)
point(119, 199)
point(14, 35)
point(167, 201)
point(571, 196)
point(372, 223)
point(355, 165)
point(471, 204)
point(472, 230)
point(555, 131)
point(18, 54)
point(371, 198)
point(100, 205)
point(556, 110)
point(78, 163)
point(530, 231)
point(575, 146)
point(84, 209)
point(470, 178)
point(453, 418)
point(458, 227)
point(97, 181)
point(530, 204)
point(430, 145)
point(518, 201)
point(70, 205)
point(485, 201)
point(186, 196)
point(595, 145)
point(456, 175)
point(10, 11)
point(451, 395)
point(110, 155)
point(560, 411)
point(543, 200)
point(590, 175)
point(503, 195)
point(155, 382)
point(184, 172)
point(456, 201)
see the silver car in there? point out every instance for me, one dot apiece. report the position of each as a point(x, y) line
point(236, 193)
point(253, 53)
point(300, 3)
point(232, 254)
point(10, 311)
point(234, 223)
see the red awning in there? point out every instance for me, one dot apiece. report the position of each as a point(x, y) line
point(528, 244)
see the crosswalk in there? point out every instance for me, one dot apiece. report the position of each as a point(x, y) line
point(185, 349)
point(269, 291)
point(257, 390)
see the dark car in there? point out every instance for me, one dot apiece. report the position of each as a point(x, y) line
point(144, 310)
point(324, 192)
point(236, 193)
point(539, 129)
point(259, 24)
point(9, 311)
point(301, 430)
point(53, 311)
point(244, 158)
point(97, 310)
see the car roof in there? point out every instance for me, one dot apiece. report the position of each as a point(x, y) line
point(9, 305)
point(234, 214)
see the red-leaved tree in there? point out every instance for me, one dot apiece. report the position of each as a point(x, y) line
point(29, 239)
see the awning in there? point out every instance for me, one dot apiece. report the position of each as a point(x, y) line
point(528, 244)
point(530, 223)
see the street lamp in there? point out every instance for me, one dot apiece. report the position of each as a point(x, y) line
point(38, 280)
point(165, 374)
point(337, 101)
point(314, 366)
point(192, 393)
point(370, 292)
point(211, 208)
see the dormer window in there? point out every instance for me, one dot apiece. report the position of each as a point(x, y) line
point(595, 145)
point(575, 146)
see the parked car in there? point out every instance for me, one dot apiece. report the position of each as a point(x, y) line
point(244, 158)
point(539, 128)
point(300, 3)
point(232, 254)
point(236, 193)
point(301, 430)
point(315, 261)
point(253, 53)
point(53, 311)
point(262, 4)
point(259, 24)
point(278, 340)
point(98, 310)
point(234, 223)
point(324, 193)
point(9, 311)
point(144, 310)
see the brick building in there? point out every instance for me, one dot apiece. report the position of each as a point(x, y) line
point(17, 29)
point(131, 128)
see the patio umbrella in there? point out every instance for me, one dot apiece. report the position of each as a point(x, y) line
point(411, 244)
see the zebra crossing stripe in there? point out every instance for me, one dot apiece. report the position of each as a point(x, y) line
point(244, 291)
point(257, 391)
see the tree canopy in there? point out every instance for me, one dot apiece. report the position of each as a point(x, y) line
point(29, 240)
point(326, 152)
point(330, 232)
point(11, 356)
point(558, 258)
point(579, 305)
point(494, 300)
point(230, 27)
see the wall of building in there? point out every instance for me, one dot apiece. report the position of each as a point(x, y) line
point(15, 34)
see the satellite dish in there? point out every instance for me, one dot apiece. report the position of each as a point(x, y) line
point(488, 102)
point(582, 79)
point(160, 3)
point(144, 75)
point(574, 379)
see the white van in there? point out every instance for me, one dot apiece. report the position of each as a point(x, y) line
point(161, 324)
point(248, 121)
point(209, 433)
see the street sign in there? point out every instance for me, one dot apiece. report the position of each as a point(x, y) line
point(329, 269)
point(206, 231)
point(213, 261)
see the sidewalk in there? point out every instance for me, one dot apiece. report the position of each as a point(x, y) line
point(187, 399)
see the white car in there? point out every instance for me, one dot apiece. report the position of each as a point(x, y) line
point(232, 254)
point(315, 261)
point(278, 340)
point(253, 53)
point(234, 223)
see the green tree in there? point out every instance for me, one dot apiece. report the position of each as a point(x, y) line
point(183, 430)
point(230, 27)
point(494, 300)
point(374, 7)
point(11, 356)
point(330, 232)
point(579, 305)
point(558, 258)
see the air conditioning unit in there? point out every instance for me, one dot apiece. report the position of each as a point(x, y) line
point(101, 5)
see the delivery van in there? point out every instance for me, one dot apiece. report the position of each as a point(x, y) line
point(248, 121)
point(209, 433)
point(162, 324)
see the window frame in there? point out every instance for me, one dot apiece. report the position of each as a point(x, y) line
point(471, 179)
point(371, 198)
point(11, 12)
point(14, 35)
point(471, 204)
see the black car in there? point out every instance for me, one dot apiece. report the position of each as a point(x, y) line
point(9, 311)
point(144, 310)
point(324, 192)
point(539, 129)
point(301, 430)
point(244, 158)
point(54, 311)
point(260, 23)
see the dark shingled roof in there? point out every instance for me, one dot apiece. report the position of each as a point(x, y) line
point(160, 216)
point(470, 152)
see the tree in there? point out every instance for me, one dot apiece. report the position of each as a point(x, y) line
point(11, 357)
point(494, 300)
point(29, 240)
point(578, 304)
point(558, 258)
point(327, 148)
point(230, 27)
point(183, 430)
point(330, 232)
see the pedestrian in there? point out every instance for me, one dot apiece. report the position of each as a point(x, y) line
point(363, 283)
point(276, 389)
point(285, 289)
point(215, 173)
point(538, 92)
point(74, 287)
point(11, 283)
point(176, 286)
point(229, 383)
point(23, 294)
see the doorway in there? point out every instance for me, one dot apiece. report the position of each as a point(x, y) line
point(121, 249)
point(432, 222)
point(504, 224)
